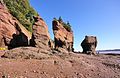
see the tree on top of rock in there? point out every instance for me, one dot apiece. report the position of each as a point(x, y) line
point(67, 25)
point(22, 10)
point(60, 19)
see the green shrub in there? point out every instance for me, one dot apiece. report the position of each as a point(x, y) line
point(22, 10)
point(55, 19)
point(67, 26)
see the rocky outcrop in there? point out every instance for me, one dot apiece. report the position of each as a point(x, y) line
point(26, 53)
point(89, 45)
point(63, 38)
point(12, 33)
point(40, 37)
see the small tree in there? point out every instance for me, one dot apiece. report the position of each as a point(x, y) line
point(60, 19)
point(68, 24)
point(55, 19)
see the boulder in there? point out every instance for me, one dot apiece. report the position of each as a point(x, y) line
point(63, 38)
point(40, 36)
point(10, 29)
point(89, 45)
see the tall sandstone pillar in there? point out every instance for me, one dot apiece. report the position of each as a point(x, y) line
point(63, 38)
point(40, 35)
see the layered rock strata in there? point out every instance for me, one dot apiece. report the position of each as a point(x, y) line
point(63, 38)
point(40, 35)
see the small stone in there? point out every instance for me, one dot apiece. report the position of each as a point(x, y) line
point(98, 74)
point(92, 70)
point(34, 71)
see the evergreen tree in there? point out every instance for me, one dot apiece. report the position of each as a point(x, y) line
point(60, 19)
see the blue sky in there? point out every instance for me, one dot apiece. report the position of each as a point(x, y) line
point(99, 18)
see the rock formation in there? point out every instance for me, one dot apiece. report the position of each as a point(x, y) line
point(26, 53)
point(10, 29)
point(89, 44)
point(14, 34)
point(62, 37)
point(40, 37)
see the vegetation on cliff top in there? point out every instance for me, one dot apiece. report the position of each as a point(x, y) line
point(67, 25)
point(22, 10)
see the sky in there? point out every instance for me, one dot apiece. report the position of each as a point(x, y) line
point(100, 18)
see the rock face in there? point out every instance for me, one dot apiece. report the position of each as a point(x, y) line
point(12, 33)
point(40, 37)
point(51, 44)
point(89, 45)
point(63, 38)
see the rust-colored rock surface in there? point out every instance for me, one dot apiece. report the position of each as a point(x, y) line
point(89, 45)
point(40, 37)
point(63, 38)
point(44, 65)
point(10, 28)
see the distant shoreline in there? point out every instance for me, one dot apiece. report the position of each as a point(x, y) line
point(114, 51)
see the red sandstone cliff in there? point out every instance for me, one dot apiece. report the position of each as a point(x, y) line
point(9, 26)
